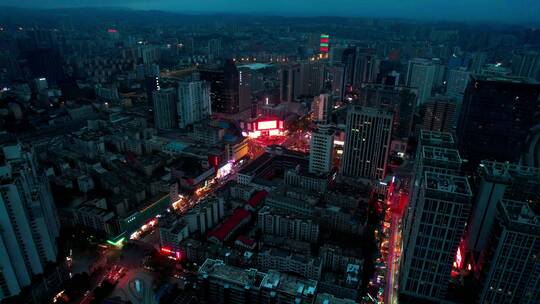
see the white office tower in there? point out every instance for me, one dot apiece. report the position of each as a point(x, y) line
point(193, 102)
point(367, 140)
point(442, 208)
point(420, 75)
point(29, 223)
point(322, 108)
point(321, 150)
point(165, 115)
point(513, 275)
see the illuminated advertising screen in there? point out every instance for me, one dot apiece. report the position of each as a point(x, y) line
point(267, 125)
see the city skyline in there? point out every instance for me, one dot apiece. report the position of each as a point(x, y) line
point(502, 11)
point(232, 155)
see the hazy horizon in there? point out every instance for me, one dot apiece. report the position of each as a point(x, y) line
point(519, 11)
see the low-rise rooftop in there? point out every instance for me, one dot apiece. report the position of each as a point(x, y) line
point(234, 275)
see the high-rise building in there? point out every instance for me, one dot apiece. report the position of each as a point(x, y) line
point(321, 150)
point(442, 208)
point(324, 46)
point(29, 223)
point(214, 48)
point(457, 81)
point(440, 114)
point(193, 102)
point(231, 84)
point(495, 117)
point(478, 61)
point(312, 77)
point(531, 155)
point(498, 181)
point(322, 108)
point(151, 84)
point(440, 71)
point(526, 64)
point(224, 87)
point(360, 66)
point(349, 63)
point(335, 74)
point(367, 141)
point(435, 153)
point(399, 100)
point(245, 80)
point(336, 54)
point(290, 82)
point(150, 54)
point(513, 273)
point(420, 75)
point(165, 114)
point(366, 68)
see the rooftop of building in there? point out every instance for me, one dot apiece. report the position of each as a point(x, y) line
point(171, 223)
point(86, 134)
point(94, 210)
point(275, 211)
point(294, 196)
point(287, 254)
point(256, 164)
point(276, 157)
point(304, 172)
point(204, 203)
point(504, 78)
point(289, 284)
point(447, 183)
point(224, 229)
point(255, 66)
point(506, 171)
point(257, 198)
point(521, 213)
point(245, 240)
point(326, 298)
point(176, 146)
point(441, 154)
point(243, 277)
point(436, 138)
point(353, 108)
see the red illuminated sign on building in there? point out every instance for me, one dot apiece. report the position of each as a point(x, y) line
point(267, 125)
point(262, 127)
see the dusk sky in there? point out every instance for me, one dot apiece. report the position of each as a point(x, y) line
point(514, 11)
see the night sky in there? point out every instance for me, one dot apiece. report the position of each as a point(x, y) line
point(507, 11)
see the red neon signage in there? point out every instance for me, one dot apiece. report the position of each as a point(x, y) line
point(166, 250)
